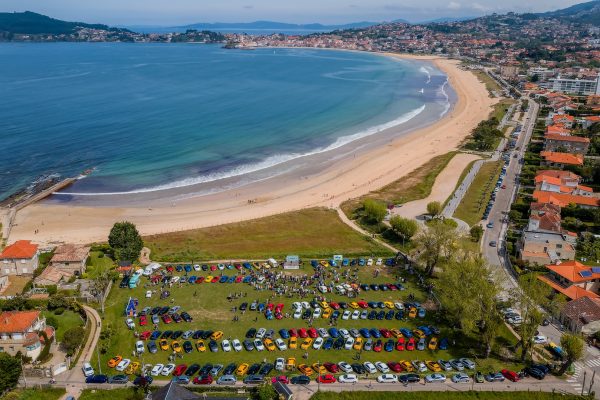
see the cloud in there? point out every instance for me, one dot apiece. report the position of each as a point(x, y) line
point(453, 5)
point(479, 7)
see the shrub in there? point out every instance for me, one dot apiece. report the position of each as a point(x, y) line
point(59, 311)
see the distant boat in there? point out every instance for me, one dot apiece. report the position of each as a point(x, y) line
point(422, 91)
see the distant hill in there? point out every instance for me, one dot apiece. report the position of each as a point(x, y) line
point(36, 24)
point(584, 12)
point(274, 26)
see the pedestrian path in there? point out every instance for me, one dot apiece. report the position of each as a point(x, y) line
point(593, 363)
point(575, 379)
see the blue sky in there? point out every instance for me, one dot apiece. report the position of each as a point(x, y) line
point(172, 12)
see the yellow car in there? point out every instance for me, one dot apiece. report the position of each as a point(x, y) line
point(408, 367)
point(200, 346)
point(305, 369)
point(327, 313)
point(397, 334)
point(290, 364)
point(269, 344)
point(293, 344)
point(419, 333)
point(324, 304)
point(358, 344)
point(164, 345)
point(242, 369)
point(132, 368)
point(113, 362)
point(324, 263)
point(412, 313)
point(432, 344)
point(432, 365)
point(256, 265)
point(354, 305)
point(208, 279)
point(319, 368)
point(306, 343)
point(216, 335)
point(389, 304)
point(176, 347)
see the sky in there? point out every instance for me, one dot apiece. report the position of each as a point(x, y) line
point(179, 12)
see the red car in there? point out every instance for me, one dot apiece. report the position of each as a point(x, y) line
point(143, 320)
point(334, 305)
point(385, 333)
point(293, 332)
point(280, 378)
point(203, 380)
point(156, 279)
point(363, 304)
point(215, 279)
point(392, 287)
point(510, 375)
point(410, 346)
point(278, 315)
point(394, 366)
point(331, 367)
point(378, 346)
point(167, 318)
point(200, 279)
point(270, 306)
point(238, 266)
point(326, 378)
point(312, 332)
point(279, 307)
point(302, 333)
point(170, 268)
point(145, 335)
point(400, 344)
point(239, 279)
point(213, 267)
point(179, 370)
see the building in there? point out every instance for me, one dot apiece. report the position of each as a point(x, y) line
point(561, 182)
point(70, 258)
point(581, 315)
point(173, 391)
point(542, 73)
point(546, 247)
point(20, 258)
point(564, 120)
point(593, 100)
point(564, 199)
point(582, 87)
point(544, 217)
point(509, 71)
point(573, 279)
point(560, 160)
point(565, 143)
point(52, 276)
point(19, 331)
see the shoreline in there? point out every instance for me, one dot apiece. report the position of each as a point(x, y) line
point(348, 178)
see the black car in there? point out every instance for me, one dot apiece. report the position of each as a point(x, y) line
point(358, 368)
point(248, 345)
point(119, 379)
point(306, 314)
point(544, 368)
point(300, 380)
point(383, 287)
point(155, 311)
point(166, 334)
point(343, 305)
point(374, 287)
point(230, 369)
point(205, 369)
point(187, 346)
point(179, 268)
point(338, 344)
point(186, 317)
point(254, 368)
point(207, 334)
point(399, 315)
point(96, 379)
point(381, 304)
point(177, 318)
point(372, 315)
point(251, 333)
point(197, 335)
point(389, 315)
point(124, 282)
point(365, 287)
point(176, 335)
point(409, 378)
point(192, 369)
point(266, 369)
point(314, 304)
point(243, 306)
point(163, 311)
point(535, 373)
point(204, 267)
point(254, 379)
point(143, 380)
point(380, 315)
point(213, 346)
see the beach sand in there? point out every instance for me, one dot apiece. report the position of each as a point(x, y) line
point(348, 178)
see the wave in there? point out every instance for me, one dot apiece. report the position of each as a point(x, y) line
point(442, 91)
point(51, 78)
point(426, 72)
point(269, 162)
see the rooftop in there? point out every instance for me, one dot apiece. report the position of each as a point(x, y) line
point(70, 253)
point(563, 199)
point(21, 249)
point(566, 138)
point(573, 292)
point(17, 321)
point(562, 158)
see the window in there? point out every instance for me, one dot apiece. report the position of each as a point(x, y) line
point(559, 246)
point(23, 261)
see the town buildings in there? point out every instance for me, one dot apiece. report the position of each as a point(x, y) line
point(19, 258)
point(20, 332)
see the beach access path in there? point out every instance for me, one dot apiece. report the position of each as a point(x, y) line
point(348, 178)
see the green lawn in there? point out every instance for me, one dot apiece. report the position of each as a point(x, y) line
point(67, 320)
point(113, 394)
point(473, 204)
point(417, 395)
point(208, 305)
point(501, 107)
point(98, 261)
point(315, 232)
point(35, 394)
point(490, 84)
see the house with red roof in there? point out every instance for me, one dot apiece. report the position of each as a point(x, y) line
point(560, 160)
point(564, 120)
point(557, 140)
point(20, 258)
point(561, 182)
point(586, 122)
point(564, 199)
point(573, 279)
point(544, 217)
point(20, 332)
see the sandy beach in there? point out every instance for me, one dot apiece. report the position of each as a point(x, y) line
point(348, 178)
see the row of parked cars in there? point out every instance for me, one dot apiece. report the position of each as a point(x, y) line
point(353, 262)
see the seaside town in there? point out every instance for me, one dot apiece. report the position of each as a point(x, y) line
point(489, 284)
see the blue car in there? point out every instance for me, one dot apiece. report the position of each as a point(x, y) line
point(140, 380)
point(192, 279)
point(96, 379)
point(314, 263)
point(224, 279)
point(406, 333)
point(443, 344)
point(152, 347)
point(333, 263)
point(334, 333)
point(284, 334)
point(269, 314)
point(399, 315)
point(155, 335)
point(335, 314)
point(389, 345)
point(182, 380)
point(261, 307)
point(375, 333)
point(421, 312)
point(345, 262)
point(328, 344)
point(247, 279)
point(231, 279)
point(247, 265)
point(365, 333)
point(425, 330)
point(178, 268)
point(188, 268)
point(361, 262)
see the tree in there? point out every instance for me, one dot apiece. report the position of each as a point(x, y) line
point(436, 245)
point(100, 283)
point(404, 227)
point(125, 241)
point(476, 232)
point(264, 392)
point(572, 346)
point(72, 339)
point(11, 370)
point(375, 211)
point(434, 208)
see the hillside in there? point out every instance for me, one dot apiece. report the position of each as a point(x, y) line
point(584, 12)
point(35, 24)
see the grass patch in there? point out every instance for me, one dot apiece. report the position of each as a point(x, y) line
point(473, 204)
point(490, 84)
point(414, 186)
point(35, 394)
point(67, 320)
point(315, 232)
point(113, 394)
point(97, 262)
point(501, 107)
point(417, 395)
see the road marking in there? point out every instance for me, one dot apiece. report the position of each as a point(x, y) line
point(593, 363)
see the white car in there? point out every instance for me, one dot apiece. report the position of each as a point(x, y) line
point(419, 365)
point(467, 363)
point(139, 347)
point(540, 339)
point(261, 333)
point(157, 369)
point(379, 261)
point(345, 367)
point(258, 344)
point(298, 313)
point(318, 343)
point(281, 344)
point(348, 378)
point(323, 332)
point(344, 332)
point(237, 346)
point(130, 324)
point(364, 314)
point(168, 369)
point(175, 279)
point(437, 377)
point(382, 367)
point(148, 294)
point(87, 369)
point(196, 267)
point(306, 305)
point(355, 314)
point(123, 364)
point(349, 343)
point(226, 345)
point(399, 305)
point(370, 367)
point(369, 262)
point(297, 305)
point(279, 364)
point(461, 377)
point(387, 378)
point(346, 315)
point(317, 313)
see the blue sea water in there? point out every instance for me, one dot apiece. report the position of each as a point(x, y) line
point(150, 117)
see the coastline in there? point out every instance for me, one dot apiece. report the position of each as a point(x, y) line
point(347, 178)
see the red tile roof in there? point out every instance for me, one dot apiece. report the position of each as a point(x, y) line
point(562, 158)
point(17, 321)
point(19, 249)
point(563, 200)
point(572, 292)
point(566, 138)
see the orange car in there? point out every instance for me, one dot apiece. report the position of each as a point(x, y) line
point(113, 362)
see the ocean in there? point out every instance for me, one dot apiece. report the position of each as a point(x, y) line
point(148, 118)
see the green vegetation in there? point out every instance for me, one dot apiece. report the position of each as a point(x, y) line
point(34, 394)
point(11, 370)
point(415, 395)
point(490, 84)
point(573, 346)
point(485, 136)
point(405, 228)
point(434, 208)
point(374, 211)
point(500, 108)
point(473, 204)
point(63, 321)
point(72, 339)
point(315, 232)
point(97, 262)
point(32, 23)
point(113, 394)
point(125, 241)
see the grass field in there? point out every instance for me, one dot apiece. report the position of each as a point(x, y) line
point(371, 395)
point(501, 107)
point(473, 204)
point(113, 394)
point(208, 305)
point(490, 84)
point(67, 320)
point(35, 394)
point(315, 232)
point(98, 262)
point(414, 186)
